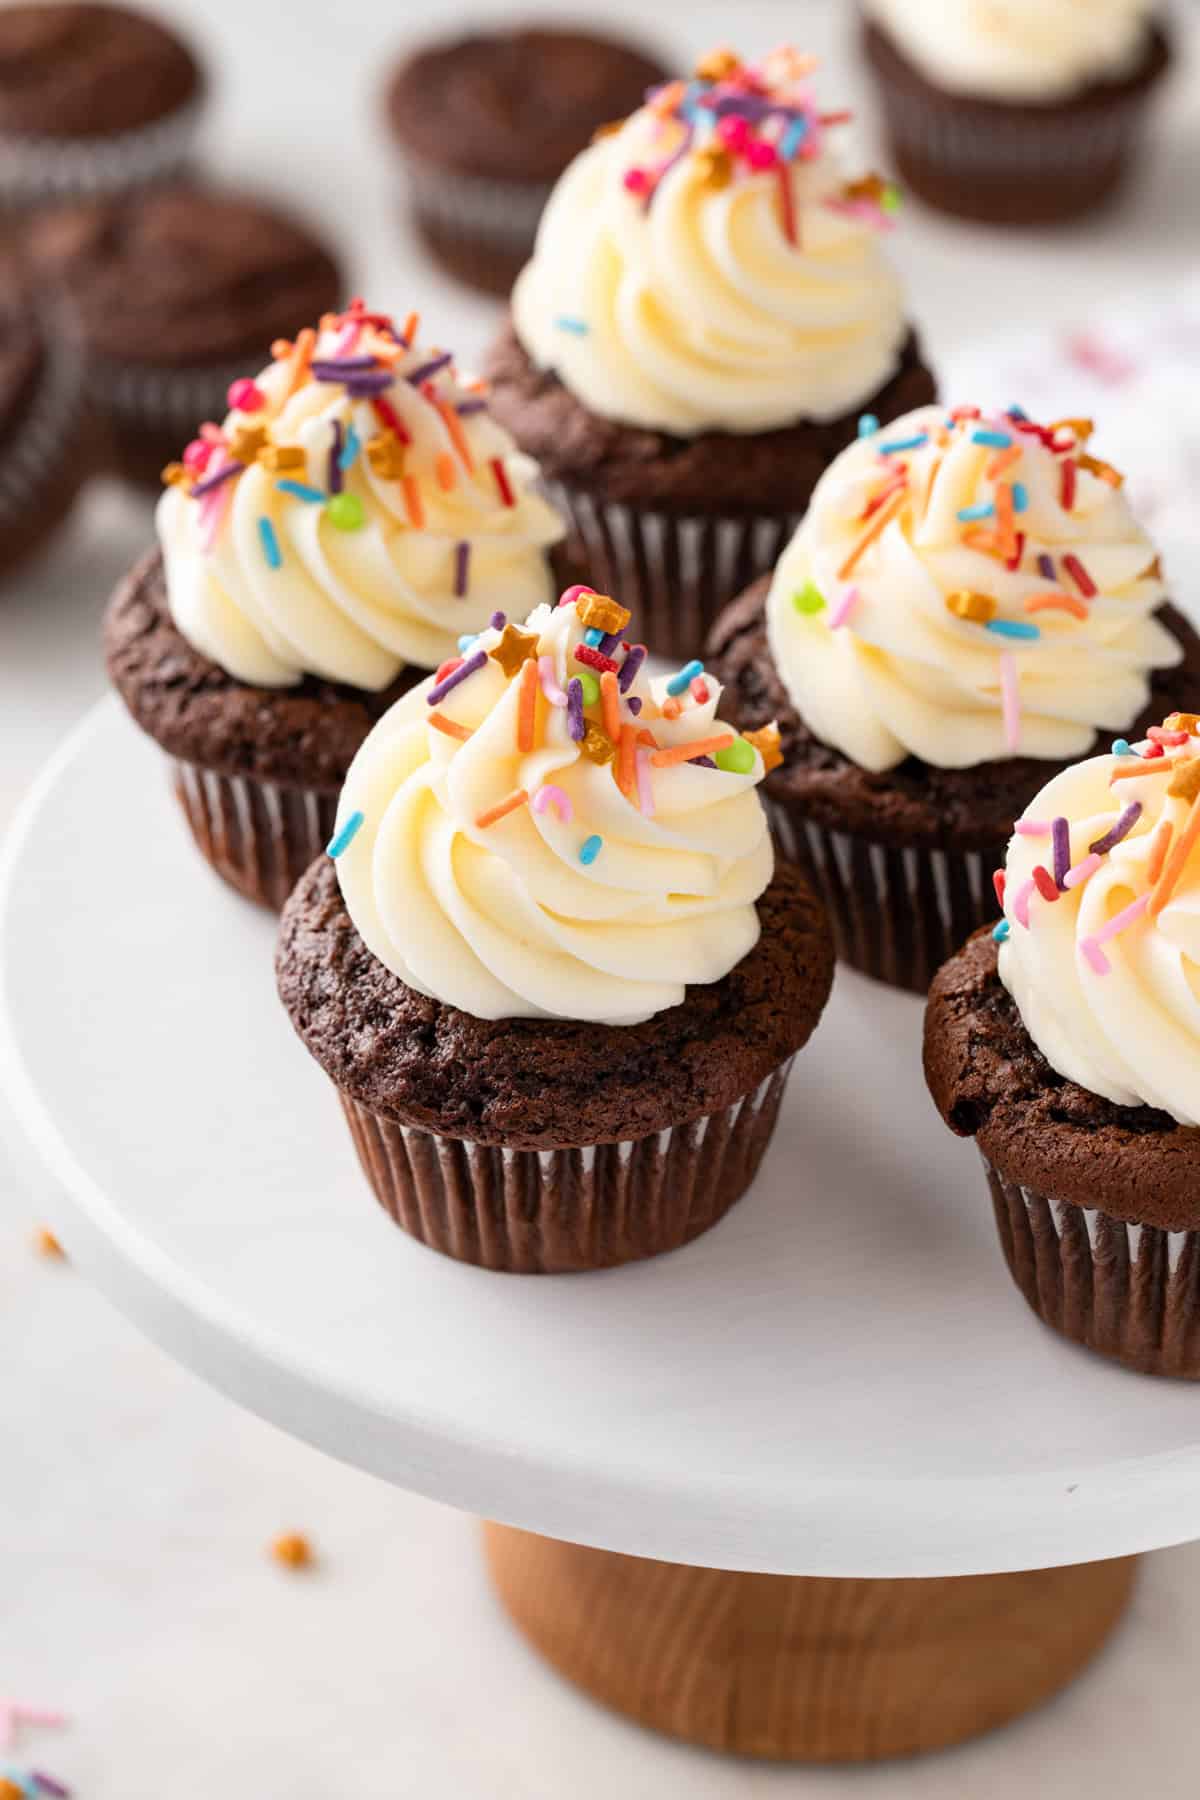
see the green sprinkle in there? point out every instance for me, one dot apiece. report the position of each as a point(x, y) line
point(809, 599)
point(590, 686)
point(890, 198)
point(737, 758)
point(346, 511)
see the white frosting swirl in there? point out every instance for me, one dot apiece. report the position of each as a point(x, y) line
point(692, 311)
point(1118, 1011)
point(511, 918)
point(884, 668)
point(1018, 49)
point(356, 605)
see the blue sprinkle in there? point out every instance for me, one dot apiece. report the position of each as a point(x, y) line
point(680, 683)
point(302, 491)
point(351, 449)
point(998, 440)
point(1122, 747)
point(1001, 932)
point(593, 637)
point(908, 443)
point(1020, 495)
point(577, 327)
point(868, 425)
point(590, 849)
point(466, 643)
point(1016, 412)
point(984, 510)
point(270, 544)
point(1013, 628)
point(792, 138)
point(342, 840)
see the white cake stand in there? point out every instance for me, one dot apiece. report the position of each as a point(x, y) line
point(837, 1393)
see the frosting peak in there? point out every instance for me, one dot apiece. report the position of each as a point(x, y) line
point(1019, 49)
point(541, 830)
point(967, 587)
point(357, 511)
point(706, 266)
point(1100, 942)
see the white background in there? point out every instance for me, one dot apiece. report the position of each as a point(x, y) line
point(134, 1504)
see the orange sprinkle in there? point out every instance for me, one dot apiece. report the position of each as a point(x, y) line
point(527, 704)
point(280, 348)
point(882, 518)
point(1003, 459)
point(681, 753)
point(1182, 848)
point(1157, 765)
point(413, 501)
point(1051, 602)
point(671, 708)
point(411, 327)
point(610, 706)
point(626, 765)
point(293, 1550)
point(1158, 850)
point(980, 538)
point(301, 357)
point(451, 727)
point(502, 808)
point(447, 474)
point(933, 475)
point(1006, 537)
point(458, 436)
point(648, 738)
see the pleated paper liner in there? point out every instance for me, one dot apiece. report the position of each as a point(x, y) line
point(544, 1212)
point(151, 413)
point(897, 915)
point(258, 836)
point(1128, 1292)
point(479, 229)
point(48, 171)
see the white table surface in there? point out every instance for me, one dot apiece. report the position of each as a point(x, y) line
point(135, 1503)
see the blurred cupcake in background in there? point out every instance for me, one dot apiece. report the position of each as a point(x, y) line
point(320, 552)
point(707, 313)
point(484, 124)
point(1015, 112)
point(176, 291)
point(968, 604)
point(94, 100)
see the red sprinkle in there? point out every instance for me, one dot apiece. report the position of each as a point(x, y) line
point(700, 693)
point(1014, 561)
point(447, 668)
point(965, 412)
point(1067, 489)
point(387, 415)
point(1157, 735)
point(999, 882)
point(1043, 881)
point(1155, 750)
point(1080, 576)
point(502, 482)
point(594, 660)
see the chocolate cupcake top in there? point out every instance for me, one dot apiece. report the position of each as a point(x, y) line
point(356, 512)
point(966, 587)
point(544, 831)
point(1019, 49)
point(184, 276)
point(514, 105)
point(1100, 941)
point(86, 71)
point(707, 266)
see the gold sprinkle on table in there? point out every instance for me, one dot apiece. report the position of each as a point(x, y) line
point(293, 1550)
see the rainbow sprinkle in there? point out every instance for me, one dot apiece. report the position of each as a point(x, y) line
point(590, 849)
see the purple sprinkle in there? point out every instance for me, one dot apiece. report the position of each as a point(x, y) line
point(630, 667)
point(46, 1784)
point(346, 365)
point(335, 459)
point(1060, 832)
point(438, 693)
point(1122, 828)
point(575, 723)
point(498, 621)
point(417, 376)
point(364, 386)
point(701, 762)
point(1046, 566)
point(214, 481)
point(462, 563)
point(609, 642)
point(465, 408)
point(751, 107)
point(633, 703)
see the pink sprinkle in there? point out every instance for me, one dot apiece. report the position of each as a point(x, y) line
point(245, 395)
point(550, 686)
point(636, 181)
point(196, 456)
point(845, 607)
point(1032, 828)
point(645, 785)
point(550, 795)
point(347, 338)
point(570, 595)
point(1010, 690)
point(1123, 919)
point(1021, 901)
point(1157, 735)
point(760, 154)
point(1083, 871)
point(1095, 955)
point(213, 505)
point(211, 433)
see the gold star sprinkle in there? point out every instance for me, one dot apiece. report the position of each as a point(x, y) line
point(1185, 783)
point(1082, 428)
point(175, 475)
point(609, 130)
point(716, 169)
point(246, 443)
point(596, 746)
point(1181, 721)
point(385, 453)
point(515, 647)
point(717, 65)
point(281, 459)
point(978, 608)
point(599, 612)
point(870, 187)
point(766, 742)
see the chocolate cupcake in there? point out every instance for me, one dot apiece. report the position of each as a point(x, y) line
point(176, 292)
point(47, 442)
point(486, 122)
point(94, 100)
point(321, 551)
point(1015, 112)
point(1067, 1043)
point(968, 603)
point(707, 313)
point(555, 980)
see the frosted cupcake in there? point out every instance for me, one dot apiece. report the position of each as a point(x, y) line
point(1015, 112)
point(969, 603)
point(550, 966)
point(707, 312)
point(1067, 1043)
point(320, 552)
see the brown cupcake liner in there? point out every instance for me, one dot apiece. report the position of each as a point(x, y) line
point(1130, 1292)
point(152, 414)
point(546, 1212)
point(676, 573)
point(56, 428)
point(48, 171)
point(480, 229)
point(897, 914)
point(258, 836)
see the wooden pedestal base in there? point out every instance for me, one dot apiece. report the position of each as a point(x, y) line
point(802, 1669)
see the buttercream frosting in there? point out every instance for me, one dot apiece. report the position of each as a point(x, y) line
point(1018, 49)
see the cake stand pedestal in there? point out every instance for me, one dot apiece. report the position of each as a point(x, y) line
point(778, 1493)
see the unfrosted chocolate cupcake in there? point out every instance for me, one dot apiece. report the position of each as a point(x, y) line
point(486, 122)
point(321, 551)
point(177, 292)
point(707, 313)
point(94, 100)
point(1067, 1043)
point(554, 978)
point(1013, 113)
point(968, 604)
